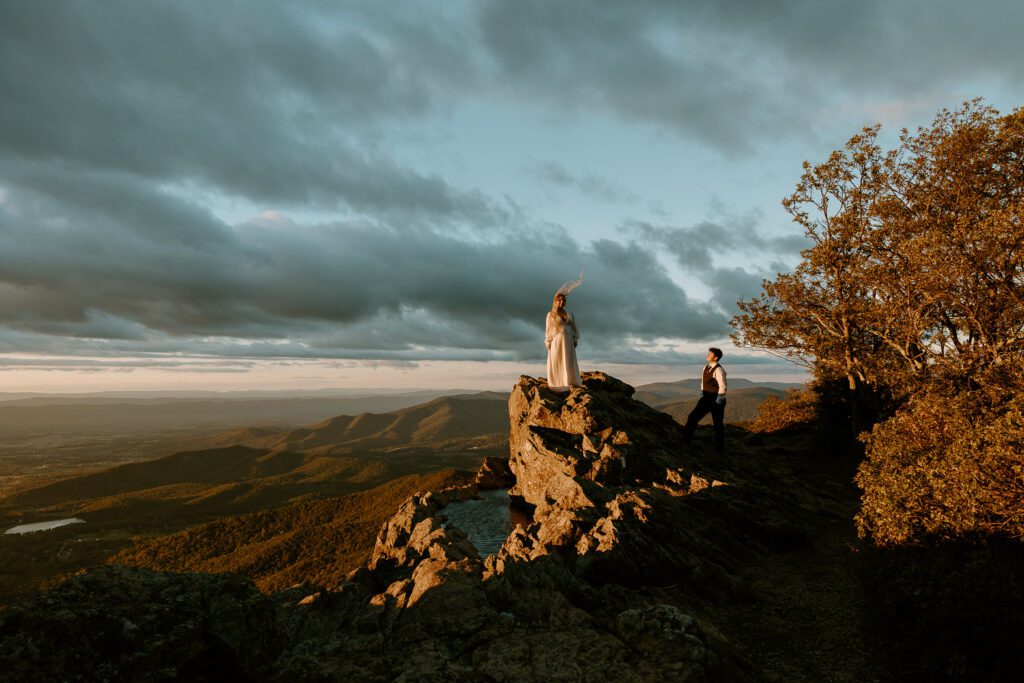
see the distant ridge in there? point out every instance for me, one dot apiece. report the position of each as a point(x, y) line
point(448, 417)
point(90, 396)
point(250, 466)
point(121, 415)
point(678, 398)
point(667, 392)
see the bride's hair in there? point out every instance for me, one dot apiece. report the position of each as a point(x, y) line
point(554, 305)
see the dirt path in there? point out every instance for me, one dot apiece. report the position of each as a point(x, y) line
point(811, 622)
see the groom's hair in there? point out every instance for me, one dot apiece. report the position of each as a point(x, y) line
point(717, 352)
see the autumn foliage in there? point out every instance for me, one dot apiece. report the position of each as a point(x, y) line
point(947, 465)
point(796, 410)
point(912, 292)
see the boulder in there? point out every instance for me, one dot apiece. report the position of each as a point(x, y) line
point(596, 433)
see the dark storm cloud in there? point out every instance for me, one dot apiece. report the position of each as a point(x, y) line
point(295, 102)
point(576, 55)
point(273, 287)
point(732, 74)
point(263, 100)
point(873, 45)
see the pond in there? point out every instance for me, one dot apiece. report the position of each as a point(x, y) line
point(487, 520)
point(43, 526)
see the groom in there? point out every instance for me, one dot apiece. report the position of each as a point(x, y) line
point(712, 400)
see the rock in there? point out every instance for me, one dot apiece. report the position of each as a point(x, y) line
point(414, 533)
point(595, 433)
point(494, 473)
point(663, 633)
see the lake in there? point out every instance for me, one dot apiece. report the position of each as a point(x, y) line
point(43, 526)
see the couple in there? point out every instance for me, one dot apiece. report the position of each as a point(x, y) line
point(561, 337)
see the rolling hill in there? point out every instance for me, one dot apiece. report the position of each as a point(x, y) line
point(256, 472)
point(269, 468)
point(661, 394)
point(316, 541)
point(443, 419)
point(166, 495)
point(103, 415)
point(742, 406)
point(44, 438)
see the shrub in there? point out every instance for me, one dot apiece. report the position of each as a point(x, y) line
point(948, 464)
point(796, 410)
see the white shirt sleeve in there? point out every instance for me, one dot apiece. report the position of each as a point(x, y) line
point(719, 374)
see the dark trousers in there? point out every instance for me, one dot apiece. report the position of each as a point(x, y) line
point(708, 403)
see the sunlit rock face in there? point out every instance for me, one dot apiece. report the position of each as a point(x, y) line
point(609, 477)
point(609, 481)
point(595, 433)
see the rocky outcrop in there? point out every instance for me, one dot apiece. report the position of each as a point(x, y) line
point(494, 473)
point(632, 536)
point(596, 433)
point(611, 482)
point(415, 533)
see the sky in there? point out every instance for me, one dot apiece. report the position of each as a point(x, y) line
point(309, 194)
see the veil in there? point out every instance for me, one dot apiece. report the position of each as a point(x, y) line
point(571, 285)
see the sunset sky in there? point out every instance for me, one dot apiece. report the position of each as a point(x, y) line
point(299, 195)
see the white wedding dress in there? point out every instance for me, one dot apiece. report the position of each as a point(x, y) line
point(560, 338)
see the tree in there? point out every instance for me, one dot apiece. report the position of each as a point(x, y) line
point(914, 272)
point(912, 291)
point(957, 200)
point(817, 314)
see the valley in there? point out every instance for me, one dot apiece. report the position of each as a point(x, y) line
point(223, 479)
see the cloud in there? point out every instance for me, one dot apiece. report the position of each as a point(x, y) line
point(644, 63)
point(115, 116)
point(82, 265)
point(593, 186)
point(738, 75)
point(699, 246)
point(257, 100)
point(706, 249)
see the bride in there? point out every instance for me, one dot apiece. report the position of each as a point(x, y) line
point(561, 337)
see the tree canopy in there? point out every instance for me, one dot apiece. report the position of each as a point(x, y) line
point(912, 292)
point(914, 270)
